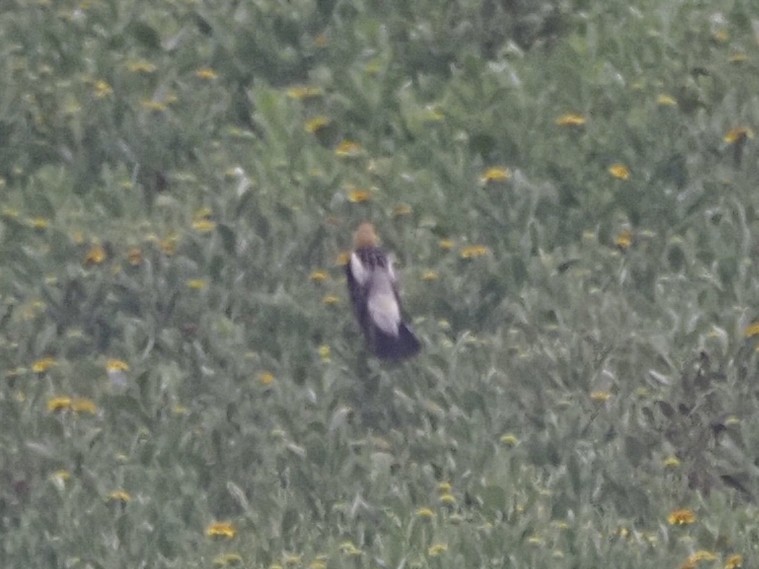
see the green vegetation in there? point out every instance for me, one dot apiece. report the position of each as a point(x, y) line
point(569, 187)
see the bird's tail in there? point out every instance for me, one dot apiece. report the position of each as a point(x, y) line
point(404, 345)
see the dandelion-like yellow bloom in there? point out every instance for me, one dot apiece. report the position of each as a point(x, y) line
point(227, 560)
point(437, 549)
point(197, 284)
point(153, 105)
point(114, 364)
point(348, 548)
point(509, 439)
point(315, 124)
point(317, 564)
point(692, 561)
point(83, 405)
point(624, 239)
point(738, 57)
point(619, 171)
point(96, 255)
point(55, 404)
point(348, 149)
point(430, 275)
point(206, 73)
point(473, 251)
point(495, 174)
point(102, 89)
point(318, 275)
point(43, 364)
point(402, 209)
point(168, 245)
point(600, 396)
point(359, 195)
point(671, 462)
point(738, 134)
point(665, 100)
point(61, 475)
point(39, 223)
point(751, 330)
point(141, 66)
point(134, 256)
point(226, 530)
point(301, 92)
point(203, 225)
point(734, 561)
point(446, 244)
point(342, 258)
point(448, 499)
point(681, 517)
point(330, 300)
point(266, 378)
point(325, 353)
point(119, 496)
point(571, 119)
point(425, 513)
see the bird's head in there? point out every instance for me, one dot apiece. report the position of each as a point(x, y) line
point(365, 236)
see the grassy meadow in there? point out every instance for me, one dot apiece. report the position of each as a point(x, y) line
point(569, 188)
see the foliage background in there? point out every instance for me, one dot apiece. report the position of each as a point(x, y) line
point(570, 188)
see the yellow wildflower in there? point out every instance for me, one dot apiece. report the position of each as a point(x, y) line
point(430, 275)
point(301, 92)
point(624, 239)
point(168, 245)
point(495, 174)
point(446, 244)
point(342, 258)
point(665, 100)
point(315, 124)
point(206, 73)
point(473, 251)
point(358, 195)
point(425, 513)
point(571, 119)
point(738, 57)
point(95, 256)
point(734, 561)
point(509, 440)
point(197, 284)
point(738, 134)
point(114, 364)
point(325, 353)
point(437, 549)
point(444, 487)
point(600, 396)
point(318, 275)
point(61, 475)
point(83, 405)
point(39, 223)
point(119, 496)
point(681, 517)
point(447, 499)
point(348, 148)
point(330, 300)
point(292, 559)
point(348, 548)
point(752, 330)
point(225, 530)
point(692, 561)
point(203, 225)
point(55, 404)
point(619, 171)
point(141, 66)
point(402, 209)
point(153, 105)
point(44, 364)
point(317, 564)
point(102, 89)
point(671, 462)
point(227, 559)
point(266, 378)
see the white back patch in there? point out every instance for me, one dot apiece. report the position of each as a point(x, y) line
point(358, 271)
point(385, 312)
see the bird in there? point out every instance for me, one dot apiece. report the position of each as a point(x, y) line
point(373, 289)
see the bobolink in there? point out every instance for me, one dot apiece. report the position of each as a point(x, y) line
point(373, 290)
